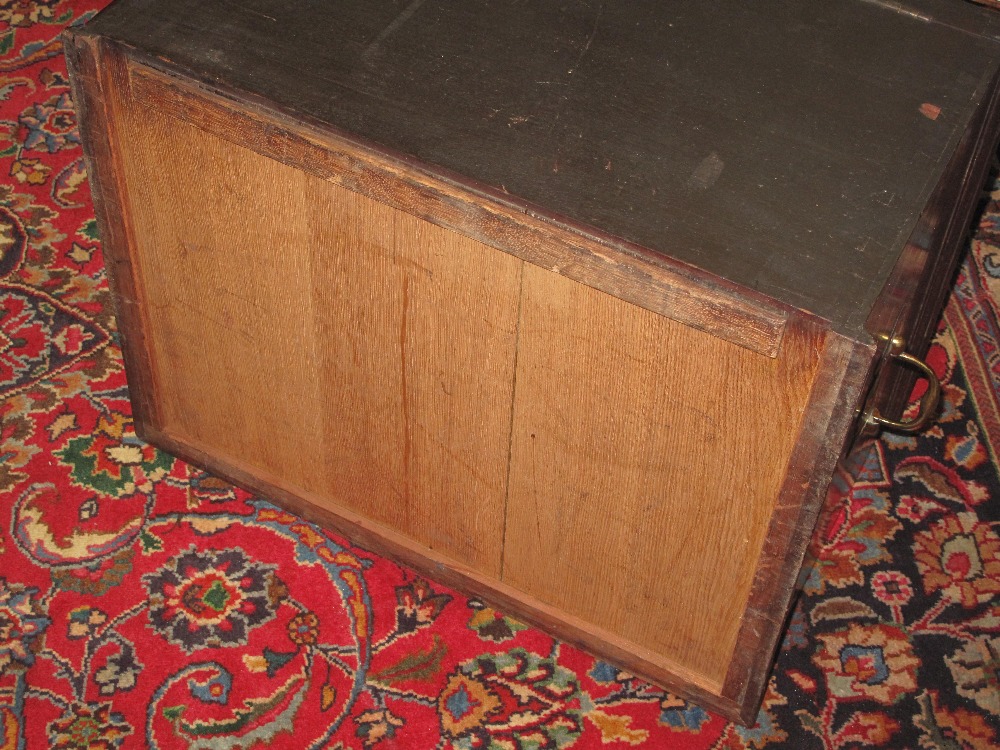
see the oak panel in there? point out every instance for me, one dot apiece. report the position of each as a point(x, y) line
point(610, 264)
point(311, 345)
point(695, 130)
point(361, 353)
point(646, 461)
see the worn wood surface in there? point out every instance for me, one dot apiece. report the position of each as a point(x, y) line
point(836, 391)
point(630, 273)
point(98, 72)
point(643, 477)
point(786, 147)
point(544, 319)
point(911, 302)
point(357, 351)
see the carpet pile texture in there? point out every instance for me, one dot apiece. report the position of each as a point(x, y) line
point(146, 604)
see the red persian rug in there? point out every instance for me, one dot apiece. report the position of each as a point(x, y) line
point(145, 604)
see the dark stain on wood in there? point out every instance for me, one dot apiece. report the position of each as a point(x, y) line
point(815, 113)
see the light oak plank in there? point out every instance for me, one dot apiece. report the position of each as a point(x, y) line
point(361, 353)
point(646, 460)
point(645, 278)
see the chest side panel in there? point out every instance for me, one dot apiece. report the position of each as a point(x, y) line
point(619, 476)
point(647, 459)
point(352, 349)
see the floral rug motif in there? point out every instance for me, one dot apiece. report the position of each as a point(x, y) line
point(146, 604)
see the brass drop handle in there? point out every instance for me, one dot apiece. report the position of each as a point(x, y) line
point(928, 404)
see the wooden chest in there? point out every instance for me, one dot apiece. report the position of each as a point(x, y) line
point(572, 305)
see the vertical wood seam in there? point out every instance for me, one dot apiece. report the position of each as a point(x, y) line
point(389, 542)
point(513, 407)
point(404, 401)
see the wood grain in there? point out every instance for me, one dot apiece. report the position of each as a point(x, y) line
point(630, 272)
point(98, 75)
point(388, 542)
point(833, 402)
point(646, 462)
point(706, 141)
point(360, 352)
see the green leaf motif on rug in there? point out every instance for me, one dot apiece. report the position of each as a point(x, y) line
point(89, 230)
point(150, 542)
point(112, 467)
point(491, 625)
point(420, 665)
point(173, 712)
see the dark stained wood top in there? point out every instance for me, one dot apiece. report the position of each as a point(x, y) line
point(788, 147)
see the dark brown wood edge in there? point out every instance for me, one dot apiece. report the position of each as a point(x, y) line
point(914, 295)
point(96, 69)
point(646, 279)
point(388, 543)
point(101, 70)
point(965, 197)
point(825, 426)
point(949, 13)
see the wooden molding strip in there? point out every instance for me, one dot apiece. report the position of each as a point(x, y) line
point(389, 543)
point(631, 273)
point(97, 71)
point(826, 421)
point(104, 75)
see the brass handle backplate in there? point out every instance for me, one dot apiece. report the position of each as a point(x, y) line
point(928, 404)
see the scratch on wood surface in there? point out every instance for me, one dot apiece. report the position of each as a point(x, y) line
point(219, 289)
point(474, 471)
point(414, 266)
point(389, 30)
point(220, 322)
point(884, 198)
point(262, 15)
point(243, 9)
point(611, 261)
point(590, 39)
point(899, 8)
